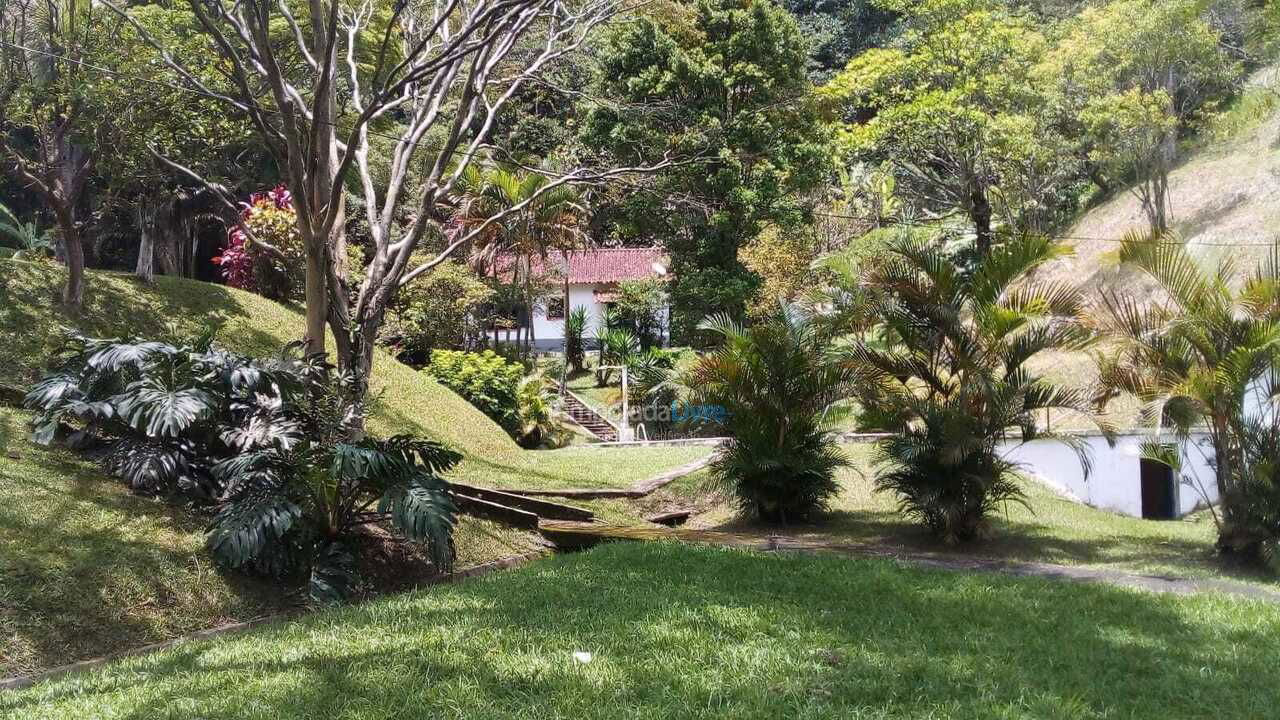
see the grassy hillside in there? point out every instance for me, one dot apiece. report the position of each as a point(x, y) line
point(87, 569)
point(1223, 195)
point(731, 635)
point(118, 304)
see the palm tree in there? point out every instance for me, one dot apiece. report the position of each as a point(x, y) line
point(539, 219)
point(1198, 355)
point(775, 391)
point(952, 379)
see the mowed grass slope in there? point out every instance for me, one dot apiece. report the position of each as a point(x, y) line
point(87, 569)
point(405, 400)
point(681, 632)
point(118, 304)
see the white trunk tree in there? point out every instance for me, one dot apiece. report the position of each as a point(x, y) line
point(436, 73)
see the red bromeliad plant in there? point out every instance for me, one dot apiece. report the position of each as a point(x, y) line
point(264, 252)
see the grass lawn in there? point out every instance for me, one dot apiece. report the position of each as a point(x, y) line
point(684, 632)
point(1052, 529)
point(86, 568)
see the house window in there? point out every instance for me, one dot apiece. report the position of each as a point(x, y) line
point(555, 308)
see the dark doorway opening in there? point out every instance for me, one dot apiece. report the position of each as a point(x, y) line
point(1157, 490)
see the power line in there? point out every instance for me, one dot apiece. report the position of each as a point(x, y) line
point(918, 224)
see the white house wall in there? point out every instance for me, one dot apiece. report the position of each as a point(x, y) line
point(549, 334)
point(1115, 482)
point(585, 296)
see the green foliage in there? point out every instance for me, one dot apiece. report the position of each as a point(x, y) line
point(954, 377)
point(1127, 77)
point(725, 82)
point(639, 310)
point(778, 388)
point(1254, 495)
point(273, 446)
point(485, 379)
point(295, 499)
point(615, 346)
point(839, 31)
point(1197, 360)
point(782, 259)
point(985, 108)
point(540, 423)
point(575, 330)
point(26, 238)
point(168, 410)
point(438, 311)
point(953, 111)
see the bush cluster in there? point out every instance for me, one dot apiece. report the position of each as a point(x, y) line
point(484, 379)
point(274, 448)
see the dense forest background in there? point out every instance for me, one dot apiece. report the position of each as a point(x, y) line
point(805, 128)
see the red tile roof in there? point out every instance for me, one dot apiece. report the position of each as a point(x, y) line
point(590, 267)
point(599, 266)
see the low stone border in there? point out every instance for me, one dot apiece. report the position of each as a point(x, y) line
point(638, 490)
point(19, 682)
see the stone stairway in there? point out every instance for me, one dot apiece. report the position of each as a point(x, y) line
point(588, 418)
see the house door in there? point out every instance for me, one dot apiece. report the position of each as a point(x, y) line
point(1157, 490)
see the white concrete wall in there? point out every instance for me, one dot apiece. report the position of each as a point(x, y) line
point(550, 333)
point(1115, 483)
point(585, 296)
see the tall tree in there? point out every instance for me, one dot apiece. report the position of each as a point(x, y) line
point(951, 108)
point(44, 129)
point(319, 79)
point(144, 205)
point(724, 80)
point(534, 223)
point(1136, 74)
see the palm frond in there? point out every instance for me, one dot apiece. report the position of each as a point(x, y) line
point(421, 509)
point(244, 530)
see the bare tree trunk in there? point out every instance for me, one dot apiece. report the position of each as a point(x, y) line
point(147, 229)
point(459, 70)
point(150, 229)
point(980, 214)
point(529, 305)
point(317, 297)
point(70, 169)
point(73, 252)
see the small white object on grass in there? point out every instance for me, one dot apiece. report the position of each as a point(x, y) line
point(580, 656)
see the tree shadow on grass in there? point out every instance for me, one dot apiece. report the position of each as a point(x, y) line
point(90, 569)
point(115, 304)
point(683, 632)
point(1017, 540)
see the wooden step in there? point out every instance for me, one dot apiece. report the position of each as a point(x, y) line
point(542, 508)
